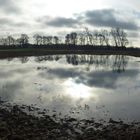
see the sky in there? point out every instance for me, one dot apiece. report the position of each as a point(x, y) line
point(59, 17)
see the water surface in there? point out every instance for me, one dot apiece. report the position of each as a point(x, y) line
point(82, 86)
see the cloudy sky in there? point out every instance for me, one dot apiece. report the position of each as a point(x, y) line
point(62, 16)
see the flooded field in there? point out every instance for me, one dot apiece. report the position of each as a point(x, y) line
point(81, 87)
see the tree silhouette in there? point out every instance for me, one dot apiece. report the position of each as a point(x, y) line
point(10, 40)
point(24, 39)
point(67, 39)
point(106, 36)
point(73, 38)
point(56, 40)
point(81, 39)
point(119, 37)
point(37, 39)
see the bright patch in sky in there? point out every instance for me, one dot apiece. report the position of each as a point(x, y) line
point(63, 7)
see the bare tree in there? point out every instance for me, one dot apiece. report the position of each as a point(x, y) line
point(81, 39)
point(119, 37)
point(24, 39)
point(67, 39)
point(49, 40)
point(122, 37)
point(73, 38)
point(95, 37)
point(10, 40)
point(106, 35)
point(114, 37)
point(3, 41)
point(44, 40)
point(88, 37)
point(101, 39)
point(56, 40)
point(38, 39)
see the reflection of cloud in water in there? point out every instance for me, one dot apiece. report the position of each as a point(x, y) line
point(101, 79)
point(77, 91)
point(10, 89)
point(60, 73)
point(105, 79)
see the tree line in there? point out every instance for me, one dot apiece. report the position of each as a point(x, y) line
point(115, 37)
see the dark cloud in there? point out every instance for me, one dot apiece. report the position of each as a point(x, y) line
point(63, 22)
point(108, 18)
point(4, 2)
point(10, 22)
point(60, 22)
point(4, 21)
point(98, 18)
point(9, 6)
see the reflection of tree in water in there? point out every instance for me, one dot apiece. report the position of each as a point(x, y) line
point(24, 59)
point(10, 59)
point(74, 59)
point(118, 63)
point(47, 58)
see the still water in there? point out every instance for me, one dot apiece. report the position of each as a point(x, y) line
point(81, 86)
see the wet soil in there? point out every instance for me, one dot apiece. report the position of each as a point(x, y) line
point(17, 123)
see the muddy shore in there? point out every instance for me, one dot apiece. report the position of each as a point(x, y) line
point(17, 123)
